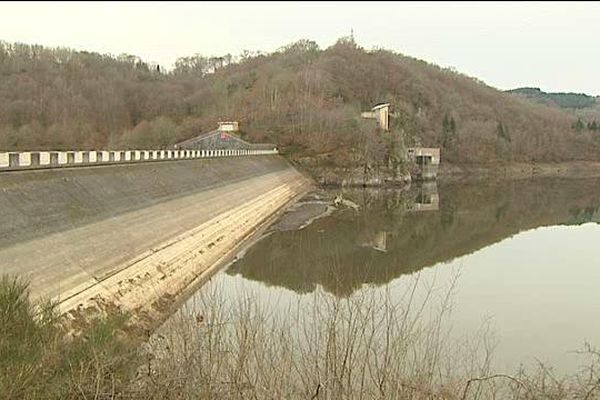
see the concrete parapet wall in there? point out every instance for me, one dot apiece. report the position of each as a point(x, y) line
point(11, 161)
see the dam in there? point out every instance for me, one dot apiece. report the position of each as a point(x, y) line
point(135, 235)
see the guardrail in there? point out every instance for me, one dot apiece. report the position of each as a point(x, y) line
point(11, 161)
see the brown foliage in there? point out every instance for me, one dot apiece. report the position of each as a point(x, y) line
point(305, 99)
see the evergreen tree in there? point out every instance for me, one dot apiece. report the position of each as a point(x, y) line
point(449, 133)
point(502, 132)
point(579, 125)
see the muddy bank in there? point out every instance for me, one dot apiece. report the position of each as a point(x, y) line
point(309, 208)
point(299, 214)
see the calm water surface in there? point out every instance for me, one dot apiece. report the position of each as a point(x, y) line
point(524, 258)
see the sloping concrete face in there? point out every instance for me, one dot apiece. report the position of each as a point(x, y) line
point(134, 235)
point(37, 203)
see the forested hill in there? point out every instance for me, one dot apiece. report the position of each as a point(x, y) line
point(306, 99)
point(563, 100)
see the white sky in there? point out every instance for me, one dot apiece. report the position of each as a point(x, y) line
point(555, 46)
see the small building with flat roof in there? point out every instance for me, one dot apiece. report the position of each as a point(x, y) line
point(381, 113)
point(228, 126)
point(426, 160)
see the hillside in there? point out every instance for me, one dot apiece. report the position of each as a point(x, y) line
point(584, 108)
point(562, 100)
point(305, 99)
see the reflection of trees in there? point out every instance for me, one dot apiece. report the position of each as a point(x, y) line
point(332, 251)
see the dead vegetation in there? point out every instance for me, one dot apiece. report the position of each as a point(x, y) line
point(306, 99)
point(373, 345)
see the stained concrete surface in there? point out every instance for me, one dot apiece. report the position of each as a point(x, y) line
point(37, 203)
point(62, 228)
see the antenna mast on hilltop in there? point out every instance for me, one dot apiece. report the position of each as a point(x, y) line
point(352, 34)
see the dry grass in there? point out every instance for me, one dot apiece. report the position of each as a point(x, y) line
point(374, 344)
point(39, 361)
point(377, 344)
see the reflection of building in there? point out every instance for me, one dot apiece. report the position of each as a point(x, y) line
point(427, 161)
point(377, 241)
point(381, 113)
point(428, 198)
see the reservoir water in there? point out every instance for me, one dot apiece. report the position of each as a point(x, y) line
point(516, 263)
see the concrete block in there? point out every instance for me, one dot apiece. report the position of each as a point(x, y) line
point(44, 158)
point(24, 159)
point(62, 157)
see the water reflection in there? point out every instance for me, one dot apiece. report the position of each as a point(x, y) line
point(428, 198)
point(399, 232)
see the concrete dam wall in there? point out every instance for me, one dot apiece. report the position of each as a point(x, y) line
point(135, 235)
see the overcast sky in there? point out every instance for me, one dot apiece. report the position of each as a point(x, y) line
point(555, 46)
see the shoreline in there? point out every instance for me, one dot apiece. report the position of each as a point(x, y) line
point(336, 177)
point(571, 170)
